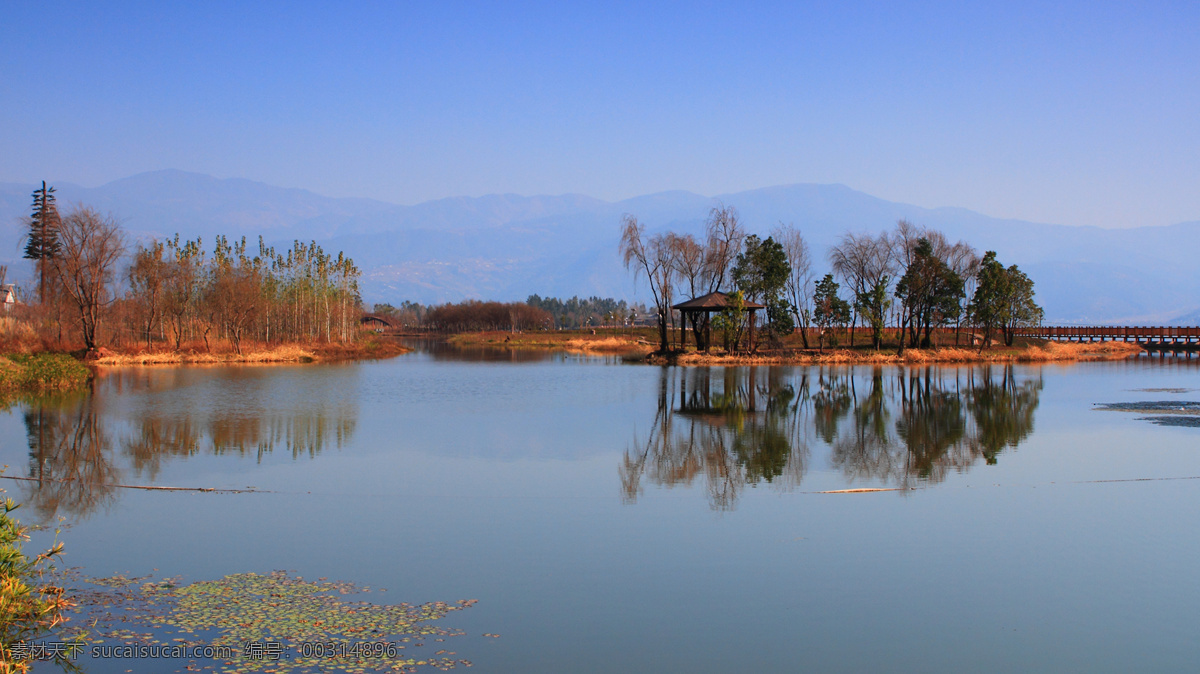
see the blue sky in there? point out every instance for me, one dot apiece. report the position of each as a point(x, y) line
point(1080, 113)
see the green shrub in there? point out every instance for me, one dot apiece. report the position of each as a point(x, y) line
point(42, 372)
point(27, 608)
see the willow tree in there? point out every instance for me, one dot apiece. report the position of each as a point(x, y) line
point(798, 288)
point(653, 259)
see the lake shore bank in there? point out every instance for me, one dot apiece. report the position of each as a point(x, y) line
point(28, 371)
point(367, 349)
point(640, 346)
point(1046, 352)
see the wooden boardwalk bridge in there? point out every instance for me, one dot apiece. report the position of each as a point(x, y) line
point(1167, 335)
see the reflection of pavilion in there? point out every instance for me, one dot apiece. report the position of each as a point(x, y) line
point(737, 399)
point(701, 310)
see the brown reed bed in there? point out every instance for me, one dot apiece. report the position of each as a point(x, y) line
point(287, 353)
point(573, 341)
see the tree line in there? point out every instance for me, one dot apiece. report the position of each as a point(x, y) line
point(911, 279)
point(171, 292)
point(536, 313)
point(578, 312)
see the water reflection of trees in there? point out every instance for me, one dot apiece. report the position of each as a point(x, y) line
point(734, 427)
point(738, 431)
point(70, 456)
point(305, 433)
point(79, 452)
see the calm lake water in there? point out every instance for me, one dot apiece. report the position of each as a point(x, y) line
point(616, 517)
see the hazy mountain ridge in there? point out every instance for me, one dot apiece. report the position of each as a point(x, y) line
point(509, 246)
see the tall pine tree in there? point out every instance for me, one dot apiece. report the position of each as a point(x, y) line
point(42, 246)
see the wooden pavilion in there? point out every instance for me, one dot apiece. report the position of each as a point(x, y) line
point(701, 310)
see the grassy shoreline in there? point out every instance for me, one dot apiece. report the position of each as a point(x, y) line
point(41, 373)
point(27, 371)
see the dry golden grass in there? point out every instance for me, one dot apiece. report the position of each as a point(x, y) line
point(13, 328)
point(620, 343)
point(281, 354)
point(569, 341)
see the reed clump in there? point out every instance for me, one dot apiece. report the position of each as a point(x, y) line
point(287, 353)
point(567, 341)
point(606, 344)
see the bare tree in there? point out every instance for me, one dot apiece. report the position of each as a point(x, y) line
point(725, 234)
point(689, 261)
point(798, 289)
point(653, 260)
point(904, 241)
point(963, 260)
point(866, 264)
point(91, 245)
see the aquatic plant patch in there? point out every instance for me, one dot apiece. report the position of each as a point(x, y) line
point(1162, 406)
point(1179, 413)
point(271, 622)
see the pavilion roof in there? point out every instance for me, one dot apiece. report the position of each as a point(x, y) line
point(713, 302)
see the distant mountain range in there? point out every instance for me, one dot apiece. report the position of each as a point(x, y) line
point(509, 246)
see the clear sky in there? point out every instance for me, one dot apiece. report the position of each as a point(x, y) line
point(1074, 113)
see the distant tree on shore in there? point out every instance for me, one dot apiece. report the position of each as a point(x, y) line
point(829, 310)
point(90, 247)
point(42, 243)
point(866, 264)
point(798, 286)
point(578, 312)
point(1003, 299)
point(761, 273)
point(147, 276)
point(929, 292)
point(474, 315)
point(653, 259)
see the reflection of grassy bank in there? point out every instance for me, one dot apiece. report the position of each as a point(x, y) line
point(41, 373)
point(1035, 351)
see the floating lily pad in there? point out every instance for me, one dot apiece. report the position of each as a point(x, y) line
point(292, 614)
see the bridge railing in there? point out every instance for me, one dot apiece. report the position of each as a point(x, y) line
point(1112, 332)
